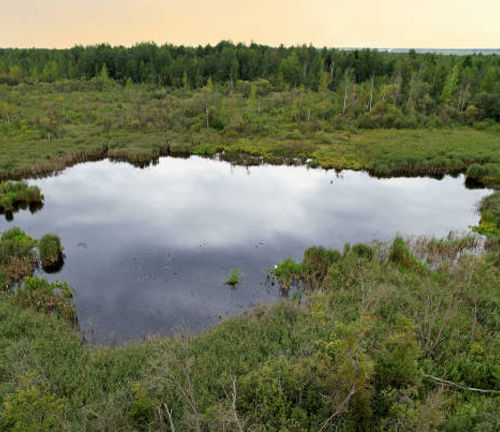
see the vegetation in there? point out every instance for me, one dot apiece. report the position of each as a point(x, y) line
point(18, 261)
point(50, 249)
point(389, 337)
point(17, 258)
point(234, 278)
point(390, 114)
point(380, 343)
point(19, 195)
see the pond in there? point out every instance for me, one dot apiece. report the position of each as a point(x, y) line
point(148, 250)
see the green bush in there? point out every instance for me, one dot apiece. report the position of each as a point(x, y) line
point(400, 254)
point(32, 409)
point(50, 298)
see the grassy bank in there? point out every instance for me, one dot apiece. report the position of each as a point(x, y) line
point(46, 127)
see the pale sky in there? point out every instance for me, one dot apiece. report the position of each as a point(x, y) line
point(332, 23)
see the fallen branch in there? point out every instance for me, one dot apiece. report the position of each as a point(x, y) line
point(459, 386)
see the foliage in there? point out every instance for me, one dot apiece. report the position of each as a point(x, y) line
point(489, 225)
point(31, 408)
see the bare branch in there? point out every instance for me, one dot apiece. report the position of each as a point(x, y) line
point(170, 419)
point(340, 408)
point(233, 407)
point(460, 386)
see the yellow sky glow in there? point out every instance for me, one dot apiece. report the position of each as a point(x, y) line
point(332, 23)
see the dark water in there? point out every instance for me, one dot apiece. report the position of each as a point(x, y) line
point(147, 250)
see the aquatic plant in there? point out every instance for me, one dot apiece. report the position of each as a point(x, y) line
point(17, 257)
point(287, 272)
point(233, 278)
point(50, 250)
point(19, 195)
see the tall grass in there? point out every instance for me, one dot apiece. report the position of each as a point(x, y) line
point(19, 195)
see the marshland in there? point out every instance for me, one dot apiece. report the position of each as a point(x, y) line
point(248, 238)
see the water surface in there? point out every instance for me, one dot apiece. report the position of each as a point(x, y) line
point(149, 249)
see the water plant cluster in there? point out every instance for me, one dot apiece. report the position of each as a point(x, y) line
point(15, 196)
point(18, 261)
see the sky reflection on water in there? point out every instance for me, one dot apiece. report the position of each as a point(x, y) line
point(149, 249)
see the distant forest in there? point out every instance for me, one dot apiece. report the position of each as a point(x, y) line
point(448, 86)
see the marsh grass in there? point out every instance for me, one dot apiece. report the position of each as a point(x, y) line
point(15, 196)
point(233, 278)
point(50, 250)
point(17, 256)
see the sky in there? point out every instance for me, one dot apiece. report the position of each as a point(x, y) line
point(331, 23)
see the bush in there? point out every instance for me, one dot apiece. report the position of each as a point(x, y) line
point(32, 409)
point(42, 296)
point(401, 255)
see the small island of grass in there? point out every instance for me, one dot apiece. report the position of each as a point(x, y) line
point(15, 196)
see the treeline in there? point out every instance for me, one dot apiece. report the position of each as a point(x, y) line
point(170, 65)
point(425, 83)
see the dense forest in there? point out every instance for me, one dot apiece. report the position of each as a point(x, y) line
point(364, 80)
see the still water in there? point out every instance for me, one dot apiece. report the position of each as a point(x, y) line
point(149, 249)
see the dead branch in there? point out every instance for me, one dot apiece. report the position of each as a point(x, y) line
point(170, 419)
point(460, 386)
point(340, 408)
point(233, 407)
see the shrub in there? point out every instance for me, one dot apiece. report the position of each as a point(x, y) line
point(42, 296)
point(32, 409)
point(363, 251)
point(401, 255)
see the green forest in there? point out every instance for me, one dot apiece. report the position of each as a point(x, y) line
point(449, 87)
point(393, 336)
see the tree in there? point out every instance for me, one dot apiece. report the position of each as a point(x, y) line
point(290, 69)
